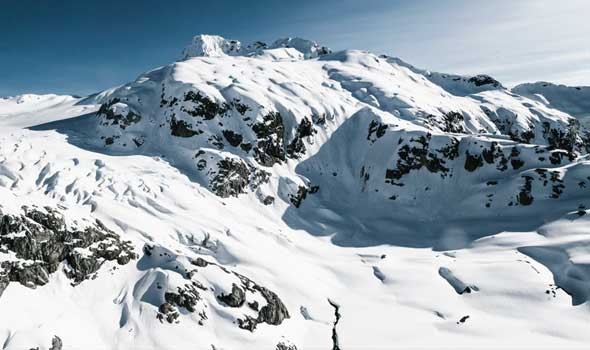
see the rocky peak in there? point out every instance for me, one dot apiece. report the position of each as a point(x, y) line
point(216, 46)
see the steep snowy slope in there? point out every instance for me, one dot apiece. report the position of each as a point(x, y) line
point(286, 197)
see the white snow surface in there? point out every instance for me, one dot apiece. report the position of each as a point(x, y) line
point(392, 251)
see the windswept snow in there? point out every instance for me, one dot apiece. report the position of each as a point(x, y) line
point(285, 197)
point(28, 110)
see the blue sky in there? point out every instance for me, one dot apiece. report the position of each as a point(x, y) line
point(80, 47)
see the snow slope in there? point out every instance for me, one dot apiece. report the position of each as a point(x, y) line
point(29, 110)
point(285, 197)
point(574, 100)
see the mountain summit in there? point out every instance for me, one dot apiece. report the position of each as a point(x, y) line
point(216, 46)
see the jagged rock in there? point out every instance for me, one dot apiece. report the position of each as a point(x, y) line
point(168, 312)
point(298, 198)
point(114, 112)
point(270, 148)
point(233, 138)
point(180, 128)
point(186, 297)
point(236, 298)
point(285, 345)
point(297, 147)
point(274, 312)
point(452, 122)
point(417, 157)
point(43, 242)
point(483, 79)
point(472, 162)
point(254, 305)
point(377, 129)
point(231, 179)
point(204, 107)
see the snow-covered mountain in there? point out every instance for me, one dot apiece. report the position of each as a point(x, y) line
point(285, 196)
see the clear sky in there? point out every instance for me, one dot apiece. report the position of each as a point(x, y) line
point(80, 47)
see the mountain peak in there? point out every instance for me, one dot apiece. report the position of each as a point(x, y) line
point(204, 45)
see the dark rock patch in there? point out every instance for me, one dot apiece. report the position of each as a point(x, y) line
point(233, 138)
point(236, 298)
point(41, 241)
point(231, 179)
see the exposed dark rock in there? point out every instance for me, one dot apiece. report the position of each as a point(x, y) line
point(236, 298)
point(254, 305)
point(200, 262)
point(203, 106)
point(298, 198)
point(42, 241)
point(231, 179)
point(297, 147)
point(525, 197)
point(167, 312)
point(472, 162)
point(270, 148)
point(181, 128)
point(319, 119)
point(110, 117)
point(268, 200)
point(377, 129)
point(570, 139)
point(337, 315)
point(186, 297)
point(233, 138)
point(483, 79)
point(246, 147)
point(208, 109)
point(419, 156)
point(285, 346)
point(452, 122)
point(463, 319)
point(273, 313)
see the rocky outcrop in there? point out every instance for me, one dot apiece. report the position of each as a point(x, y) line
point(41, 241)
point(270, 148)
point(236, 298)
point(231, 179)
point(114, 112)
point(190, 297)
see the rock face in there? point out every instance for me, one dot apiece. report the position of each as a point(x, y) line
point(41, 241)
point(236, 298)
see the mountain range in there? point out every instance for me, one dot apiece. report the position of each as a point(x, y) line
point(285, 196)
